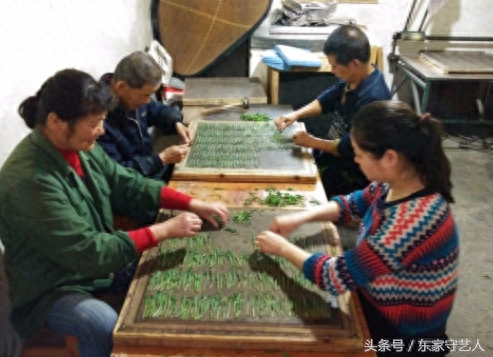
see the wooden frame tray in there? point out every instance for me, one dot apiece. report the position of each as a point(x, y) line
point(298, 328)
point(245, 152)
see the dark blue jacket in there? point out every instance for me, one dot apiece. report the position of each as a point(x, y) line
point(372, 89)
point(127, 139)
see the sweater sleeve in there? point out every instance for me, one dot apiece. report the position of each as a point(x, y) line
point(173, 199)
point(143, 239)
point(408, 232)
point(356, 204)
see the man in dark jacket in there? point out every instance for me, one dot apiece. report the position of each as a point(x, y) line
point(348, 52)
point(127, 139)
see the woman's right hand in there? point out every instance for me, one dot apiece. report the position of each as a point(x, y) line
point(285, 224)
point(186, 224)
point(271, 243)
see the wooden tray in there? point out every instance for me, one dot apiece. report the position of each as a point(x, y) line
point(272, 163)
point(335, 329)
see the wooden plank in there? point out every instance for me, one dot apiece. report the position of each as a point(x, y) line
point(221, 91)
point(336, 331)
point(460, 61)
point(292, 164)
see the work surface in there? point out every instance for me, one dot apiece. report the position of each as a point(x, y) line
point(216, 288)
point(245, 151)
point(348, 331)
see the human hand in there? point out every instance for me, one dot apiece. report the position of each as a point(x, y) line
point(302, 138)
point(285, 224)
point(174, 154)
point(284, 121)
point(185, 224)
point(270, 243)
point(184, 133)
point(207, 210)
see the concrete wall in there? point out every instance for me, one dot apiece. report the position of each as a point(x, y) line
point(40, 37)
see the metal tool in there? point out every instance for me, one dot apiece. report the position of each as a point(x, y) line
point(245, 103)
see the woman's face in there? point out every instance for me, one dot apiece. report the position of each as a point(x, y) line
point(373, 168)
point(82, 136)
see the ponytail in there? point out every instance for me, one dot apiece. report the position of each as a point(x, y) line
point(393, 125)
point(434, 166)
point(29, 108)
point(28, 111)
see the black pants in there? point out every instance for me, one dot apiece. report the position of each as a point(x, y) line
point(413, 346)
point(339, 176)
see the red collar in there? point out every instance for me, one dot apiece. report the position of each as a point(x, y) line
point(73, 160)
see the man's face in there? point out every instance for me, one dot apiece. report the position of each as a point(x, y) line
point(132, 98)
point(344, 72)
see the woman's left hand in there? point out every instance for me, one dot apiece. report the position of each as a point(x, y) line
point(206, 211)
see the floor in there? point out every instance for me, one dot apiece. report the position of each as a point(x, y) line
point(472, 315)
point(471, 321)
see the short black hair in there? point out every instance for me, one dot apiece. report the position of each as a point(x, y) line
point(347, 43)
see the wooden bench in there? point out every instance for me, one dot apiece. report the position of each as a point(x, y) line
point(49, 343)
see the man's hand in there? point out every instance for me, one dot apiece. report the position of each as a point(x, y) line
point(174, 154)
point(207, 210)
point(184, 225)
point(185, 134)
point(302, 138)
point(284, 121)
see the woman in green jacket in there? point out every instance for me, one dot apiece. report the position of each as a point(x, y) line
point(57, 193)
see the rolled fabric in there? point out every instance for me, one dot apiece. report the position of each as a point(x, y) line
point(272, 59)
point(294, 56)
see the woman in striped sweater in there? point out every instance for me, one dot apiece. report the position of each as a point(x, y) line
point(404, 264)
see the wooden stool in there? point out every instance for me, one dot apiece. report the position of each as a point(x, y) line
point(49, 343)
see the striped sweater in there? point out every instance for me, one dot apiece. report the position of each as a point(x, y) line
point(405, 260)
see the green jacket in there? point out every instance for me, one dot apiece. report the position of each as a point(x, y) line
point(58, 230)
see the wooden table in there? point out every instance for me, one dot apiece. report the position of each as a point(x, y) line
point(193, 112)
point(233, 195)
